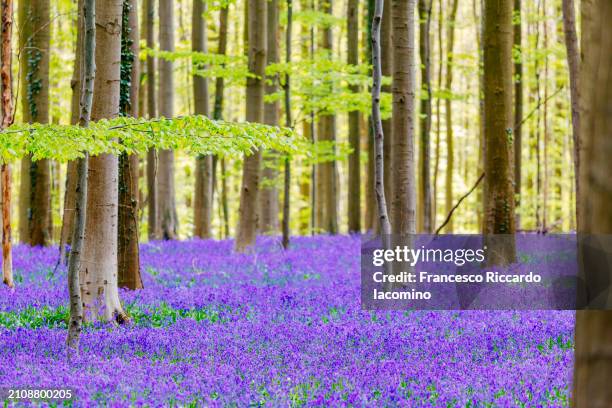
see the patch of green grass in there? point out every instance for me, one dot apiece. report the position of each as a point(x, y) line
point(159, 316)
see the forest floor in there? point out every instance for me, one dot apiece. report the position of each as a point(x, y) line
point(275, 328)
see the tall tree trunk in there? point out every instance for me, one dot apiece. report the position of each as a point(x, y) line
point(98, 272)
point(327, 210)
point(247, 223)
point(167, 217)
point(386, 61)
point(203, 201)
point(450, 152)
point(354, 170)
point(128, 250)
point(370, 211)
point(35, 189)
point(7, 119)
point(518, 106)
point(499, 187)
point(377, 20)
point(573, 60)
point(87, 46)
point(404, 84)
point(593, 361)
point(218, 113)
point(424, 222)
point(268, 196)
point(154, 231)
point(480, 167)
point(289, 124)
point(438, 110)
point(71, 167)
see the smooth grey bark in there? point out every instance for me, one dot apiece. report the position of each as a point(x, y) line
point(404, 92)
point(35, 186)
point(573, 62)
point(593, 339)
point(354, 168)
point(499, 174)
point(268, 196)
point(88, 74)
point(248, 217)
point(424, 207)
point(203, 195)
point(289, 124)
point(379, 136)
point(166, 204)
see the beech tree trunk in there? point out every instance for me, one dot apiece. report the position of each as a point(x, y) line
point(386, 61)
point(499, 187)
point(404, 181)
point(593, 360)
point(166, 204)
point(154, 231)
point(573, 60)
point(289, 124)
point(371, 222)
point(377, 20)
point(424, 222)
point(450, 151)
point(71, 168)
point(87, 37)
point(326, 178)
point(35, 188)
point(518, 107)
point(128, 250)
point(98, 272)
point(354, 168)
point(203, 195)
point(7, 119)
point(268, 197)
point(218, 114)
point(248, 217)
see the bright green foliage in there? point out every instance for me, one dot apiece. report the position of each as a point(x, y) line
point(233, 68)
point(195, 134)
point(322, 85)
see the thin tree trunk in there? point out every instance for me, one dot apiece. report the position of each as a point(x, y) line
point(203, 201)
point(289, 124)
point(385, 225)
point(98, 272)
point(268, 196)
point(354, 169)
point(218, 114)
point(7, 120)
point(593, 361)
point(479, 30)
point(370, 209)
point(499, 187)
point(404, 84)
point(518, 107)
point(450, 152)
point(153, 213)
point(35, 189)
point(71, 168)
point(327, 202)
point(438, 111)
point(247, 223)
point(167, 217)
point(546, 121)
point(87, 35)
point(128, 250)
point(386, 62)
point(424, 201)
point(573, 60)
